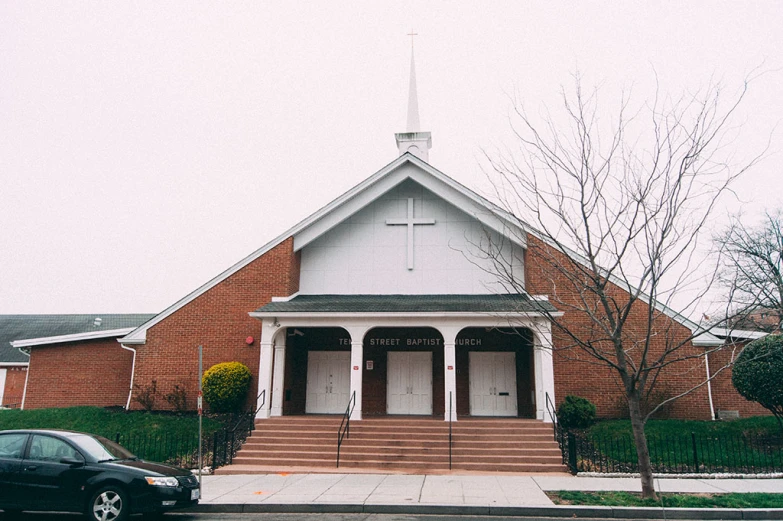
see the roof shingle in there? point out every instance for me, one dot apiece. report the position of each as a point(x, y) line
point(409, 304)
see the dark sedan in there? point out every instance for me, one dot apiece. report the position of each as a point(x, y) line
point(52, 470)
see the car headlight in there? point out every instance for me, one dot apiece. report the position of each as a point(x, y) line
point(162, 481)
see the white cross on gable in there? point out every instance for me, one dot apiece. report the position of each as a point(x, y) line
point(410, 222)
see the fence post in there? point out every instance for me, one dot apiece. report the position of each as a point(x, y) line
point(695, 452)
point(572, 452)
point(214, 450)
point(117, 438)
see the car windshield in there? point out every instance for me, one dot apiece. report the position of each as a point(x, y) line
point(102, 449)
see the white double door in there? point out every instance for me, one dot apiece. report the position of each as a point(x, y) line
point(328, 381)
point(409, 382)
point(493, 384)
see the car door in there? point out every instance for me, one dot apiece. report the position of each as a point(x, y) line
point(11, 451)
point(44, 482)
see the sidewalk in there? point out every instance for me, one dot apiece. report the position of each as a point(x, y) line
point(445, 494)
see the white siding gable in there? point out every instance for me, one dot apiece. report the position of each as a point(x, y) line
point(365, 255)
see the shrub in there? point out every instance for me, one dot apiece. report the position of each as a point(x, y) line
point(757, 374)
point(225, 386)
point(146, 395)
point(178, 398)
point(576, 413)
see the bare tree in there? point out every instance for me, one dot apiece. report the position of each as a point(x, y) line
point(753, 273)
point(612, 216)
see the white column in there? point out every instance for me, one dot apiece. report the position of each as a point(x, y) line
point(449, 372)
point(545, 371)
point(268, 330)
point(278, 376)
point(357, 367)
point(357, 373)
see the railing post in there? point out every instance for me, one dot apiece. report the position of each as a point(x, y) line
point(572, 452)
point(695, 452)
point(214, 450)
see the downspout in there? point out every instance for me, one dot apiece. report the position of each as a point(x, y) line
point(26, 377)
point(709, 384)
point(133, 372)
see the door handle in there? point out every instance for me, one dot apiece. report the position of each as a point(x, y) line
point(32, 468)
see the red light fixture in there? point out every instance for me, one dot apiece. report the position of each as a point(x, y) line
point(249, 340)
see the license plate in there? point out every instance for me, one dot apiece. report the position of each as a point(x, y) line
point(194, 494)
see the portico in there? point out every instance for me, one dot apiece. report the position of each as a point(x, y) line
point(439, 355)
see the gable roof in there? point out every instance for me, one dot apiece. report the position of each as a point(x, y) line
point(31, 330)
point(406, 166)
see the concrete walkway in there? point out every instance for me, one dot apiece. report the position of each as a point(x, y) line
point(316, 492)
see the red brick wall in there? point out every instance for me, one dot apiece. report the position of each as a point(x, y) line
point(14, 385)
point(95, 372)
point(578, 373)
point(218, 320)
point(724, 396)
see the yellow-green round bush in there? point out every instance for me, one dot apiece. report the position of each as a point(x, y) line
point(225, 386)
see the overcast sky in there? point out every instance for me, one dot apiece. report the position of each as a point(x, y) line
point(147, 146)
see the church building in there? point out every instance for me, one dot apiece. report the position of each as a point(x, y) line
point(384, 299)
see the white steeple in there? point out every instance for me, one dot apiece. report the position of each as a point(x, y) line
point(412, 140)
point(413, 99)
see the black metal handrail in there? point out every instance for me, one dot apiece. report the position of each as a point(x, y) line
point(550, 409)
point(262, 397)
point(451, 419)
point(346, 422)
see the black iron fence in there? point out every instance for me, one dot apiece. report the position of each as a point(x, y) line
point(694, 453)
point(219, 448)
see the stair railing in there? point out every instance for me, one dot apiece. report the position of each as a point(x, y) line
point(564, 440)
point(451, 419)
point(550, 408)
point(345, 425)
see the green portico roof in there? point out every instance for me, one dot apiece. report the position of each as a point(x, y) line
point(507, 303)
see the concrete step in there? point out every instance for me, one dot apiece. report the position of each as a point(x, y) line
point(402, 444)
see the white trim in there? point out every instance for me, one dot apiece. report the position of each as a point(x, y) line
point(75, 337)
point(14, 364)
point(285, 299)
point(737, 333)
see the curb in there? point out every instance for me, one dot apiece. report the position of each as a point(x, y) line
point(754, 514)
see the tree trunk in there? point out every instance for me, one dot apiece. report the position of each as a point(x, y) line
point(640, 440)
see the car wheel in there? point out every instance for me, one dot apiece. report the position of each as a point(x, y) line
point(108, 504)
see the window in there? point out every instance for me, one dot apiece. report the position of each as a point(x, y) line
point(12, 445)
point(46, 448)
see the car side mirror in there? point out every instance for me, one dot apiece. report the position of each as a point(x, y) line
point(73, 462)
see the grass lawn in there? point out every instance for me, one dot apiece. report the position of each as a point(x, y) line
point(757, 426)
point(628, 499)
point(154, 436)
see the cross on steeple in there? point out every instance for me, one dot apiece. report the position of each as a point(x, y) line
point(412, 34)
point(410, 222)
